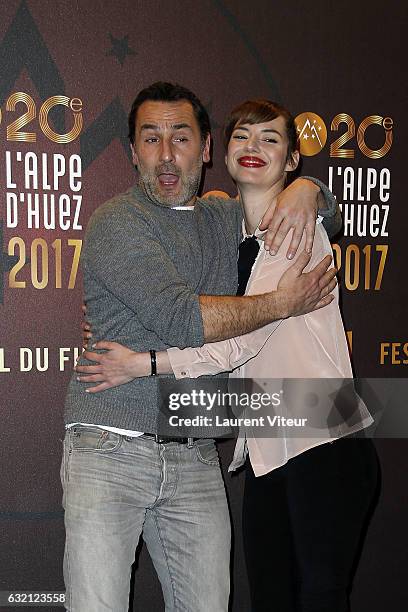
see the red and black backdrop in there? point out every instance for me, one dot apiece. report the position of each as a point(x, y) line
point(69, 71)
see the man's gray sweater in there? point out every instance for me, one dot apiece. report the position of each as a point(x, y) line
point(144, 267)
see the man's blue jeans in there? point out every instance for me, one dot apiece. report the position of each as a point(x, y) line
point(117, 488)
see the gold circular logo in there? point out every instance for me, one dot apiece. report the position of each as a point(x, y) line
point(312, 133)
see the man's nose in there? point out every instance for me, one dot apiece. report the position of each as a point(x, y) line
point(166, 153)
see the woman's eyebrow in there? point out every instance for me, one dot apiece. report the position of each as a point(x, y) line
point(240, 127)
point(271, 130)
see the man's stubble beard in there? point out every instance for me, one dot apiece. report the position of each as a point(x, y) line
point(190, 184)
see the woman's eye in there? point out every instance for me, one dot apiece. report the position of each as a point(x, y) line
point(270, 140)
point(239, 137)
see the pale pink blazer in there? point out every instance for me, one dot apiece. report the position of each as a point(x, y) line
point(307, 347)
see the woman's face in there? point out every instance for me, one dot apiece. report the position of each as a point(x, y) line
point(257, 154)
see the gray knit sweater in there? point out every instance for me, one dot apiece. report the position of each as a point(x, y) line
point(144, 267)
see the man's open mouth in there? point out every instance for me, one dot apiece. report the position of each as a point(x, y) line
point(168, 179)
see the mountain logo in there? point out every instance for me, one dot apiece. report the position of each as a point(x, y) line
point(312, 133)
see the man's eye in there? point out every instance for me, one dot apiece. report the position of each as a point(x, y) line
point(270, 140)
point(152, 139)
point(181, 139)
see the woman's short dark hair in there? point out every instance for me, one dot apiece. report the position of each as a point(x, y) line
point(261, 111)
point(170, 92)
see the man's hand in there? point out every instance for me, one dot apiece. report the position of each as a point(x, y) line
point(307, 291)
point(86, 333)
point(295, 207)
point(119, 365)
point(86, 328)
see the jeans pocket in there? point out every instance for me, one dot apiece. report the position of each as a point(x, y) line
point(207, 452)
point(93, 439)
point(64, 459)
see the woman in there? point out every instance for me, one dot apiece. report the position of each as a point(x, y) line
point(306, 500)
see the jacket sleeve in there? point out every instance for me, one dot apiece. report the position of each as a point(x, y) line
point(216, 357)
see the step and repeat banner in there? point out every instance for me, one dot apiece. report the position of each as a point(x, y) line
point(69, 72)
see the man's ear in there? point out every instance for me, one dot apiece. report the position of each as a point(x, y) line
point(134, 155)
point(206, 149)
point(293, 163)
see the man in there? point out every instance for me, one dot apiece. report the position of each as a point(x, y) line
point(159, 270)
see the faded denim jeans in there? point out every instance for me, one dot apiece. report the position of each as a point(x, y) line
point(118, 488)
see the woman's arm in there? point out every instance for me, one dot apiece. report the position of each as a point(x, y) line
point(216, 357)
point(119, 365)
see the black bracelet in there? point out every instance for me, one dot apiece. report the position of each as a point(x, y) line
point(153, 371)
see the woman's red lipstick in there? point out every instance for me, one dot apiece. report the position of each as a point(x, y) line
point(248, 161)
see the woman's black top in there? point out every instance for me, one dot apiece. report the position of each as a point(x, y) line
point(248, 250)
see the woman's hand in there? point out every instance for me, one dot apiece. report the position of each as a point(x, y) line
point(117, 366)
point(294, 208)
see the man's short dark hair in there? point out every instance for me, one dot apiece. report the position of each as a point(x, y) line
point(169, 92)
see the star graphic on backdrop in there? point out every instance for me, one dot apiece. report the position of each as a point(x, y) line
point(208, 108)
point(120, 48)
point(6, 263)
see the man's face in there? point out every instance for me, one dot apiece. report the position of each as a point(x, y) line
point(169, 152)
